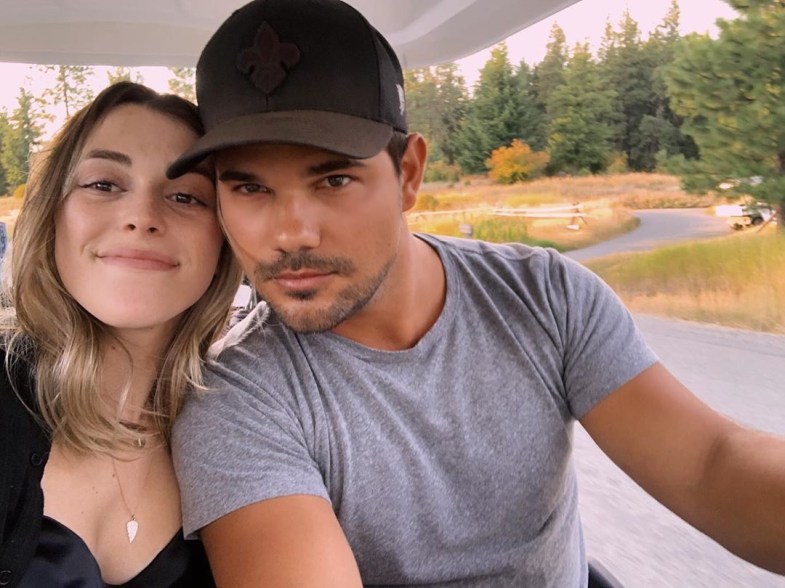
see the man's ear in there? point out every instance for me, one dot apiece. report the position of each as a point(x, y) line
point(412, 169)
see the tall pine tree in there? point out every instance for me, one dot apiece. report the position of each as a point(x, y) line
point(532, 123)
point(628, 69)
point(493, 118)
point(451, 108)
point(183, 82)
point(730, 91)
point(5, 129)
point(580, 137)
point(71, 89)
point(123, 74)
point(549, 73)
point(20, 137)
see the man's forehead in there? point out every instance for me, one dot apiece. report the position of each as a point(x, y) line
point(294, 156)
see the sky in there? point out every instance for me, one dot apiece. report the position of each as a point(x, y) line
point(584, 21)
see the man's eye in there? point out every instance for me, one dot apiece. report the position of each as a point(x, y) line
point(250, 188)
point(337, 181)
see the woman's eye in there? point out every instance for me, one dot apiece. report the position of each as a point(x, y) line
point(183, 198)
point(101, 186)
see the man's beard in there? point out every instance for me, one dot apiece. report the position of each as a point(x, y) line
point(344, 304)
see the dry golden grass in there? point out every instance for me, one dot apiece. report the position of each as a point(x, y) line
point(634, 190)
point(599, 198)
point(737, 281)
point(9, 208)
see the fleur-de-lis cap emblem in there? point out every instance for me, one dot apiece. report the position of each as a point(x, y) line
point(268, 59)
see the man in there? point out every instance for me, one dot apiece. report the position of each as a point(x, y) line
point(404, 416)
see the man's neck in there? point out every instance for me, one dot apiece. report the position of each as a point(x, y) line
point(407, 305)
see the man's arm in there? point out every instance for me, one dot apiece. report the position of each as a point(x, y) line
point(293, 541)
point(725, 480)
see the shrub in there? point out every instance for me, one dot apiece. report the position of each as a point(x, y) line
point(516, 163)
point(19, 192)
point(441, 171)
point(426, 202)
point(617, 164)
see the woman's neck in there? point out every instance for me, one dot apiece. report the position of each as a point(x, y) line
point(130, 368)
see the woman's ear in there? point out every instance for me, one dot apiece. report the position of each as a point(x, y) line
point(412, 169)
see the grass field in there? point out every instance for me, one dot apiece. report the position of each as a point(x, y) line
point(606, 200)
point(738, 281)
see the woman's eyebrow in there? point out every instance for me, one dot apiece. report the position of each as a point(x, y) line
point(110, 155)
point(203, 170)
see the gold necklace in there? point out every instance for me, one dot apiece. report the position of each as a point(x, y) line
point(132, 526)
point(140, 441)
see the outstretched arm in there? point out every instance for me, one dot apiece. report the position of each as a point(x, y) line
point(725, 480)
point(282, 542)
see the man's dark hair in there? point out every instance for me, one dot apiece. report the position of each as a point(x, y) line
point(396, 148)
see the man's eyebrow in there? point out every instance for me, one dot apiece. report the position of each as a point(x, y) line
point(231, 175)
point(333, 165)
point(110, 155)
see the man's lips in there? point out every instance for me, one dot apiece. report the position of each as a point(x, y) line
point(138, 259)
point(306, 279)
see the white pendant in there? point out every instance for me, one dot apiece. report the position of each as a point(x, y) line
point(131, 528)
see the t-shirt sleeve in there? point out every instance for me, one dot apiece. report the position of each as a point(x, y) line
point(601, 345)
point(238, 444)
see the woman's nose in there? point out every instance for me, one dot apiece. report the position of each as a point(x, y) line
point(144, 213)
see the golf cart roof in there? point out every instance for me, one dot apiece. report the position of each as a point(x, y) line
point(173, 32)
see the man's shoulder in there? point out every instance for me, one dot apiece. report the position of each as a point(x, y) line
point(485, 250)
point(507, 260)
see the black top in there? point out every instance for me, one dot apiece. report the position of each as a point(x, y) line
point(24, 449)
point(24, 532)
point(63, 559)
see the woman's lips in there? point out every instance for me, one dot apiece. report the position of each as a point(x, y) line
point(139, 259)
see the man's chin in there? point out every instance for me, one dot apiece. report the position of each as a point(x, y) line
point(302, 315)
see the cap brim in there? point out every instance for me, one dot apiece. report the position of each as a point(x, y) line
point(354, 137)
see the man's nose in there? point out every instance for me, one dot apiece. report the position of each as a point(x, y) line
point(296, 225)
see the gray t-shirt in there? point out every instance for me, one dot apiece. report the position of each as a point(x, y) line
point(447, 463)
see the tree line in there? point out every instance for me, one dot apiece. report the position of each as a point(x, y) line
point(589, 114)
point(710, 110)
point(71, 88)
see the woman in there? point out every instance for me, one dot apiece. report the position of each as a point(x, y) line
point(120, 280)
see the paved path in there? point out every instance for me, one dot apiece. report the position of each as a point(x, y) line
point(659, 227)
point(740, 374)
point(737, 372)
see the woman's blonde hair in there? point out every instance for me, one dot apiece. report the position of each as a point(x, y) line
point(62, 338)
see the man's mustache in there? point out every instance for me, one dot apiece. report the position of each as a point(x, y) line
point(303, 260)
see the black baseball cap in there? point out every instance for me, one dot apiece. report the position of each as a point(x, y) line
point(307, 72)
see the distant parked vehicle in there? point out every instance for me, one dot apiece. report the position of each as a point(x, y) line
point(3, 239)
point(750, 215)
